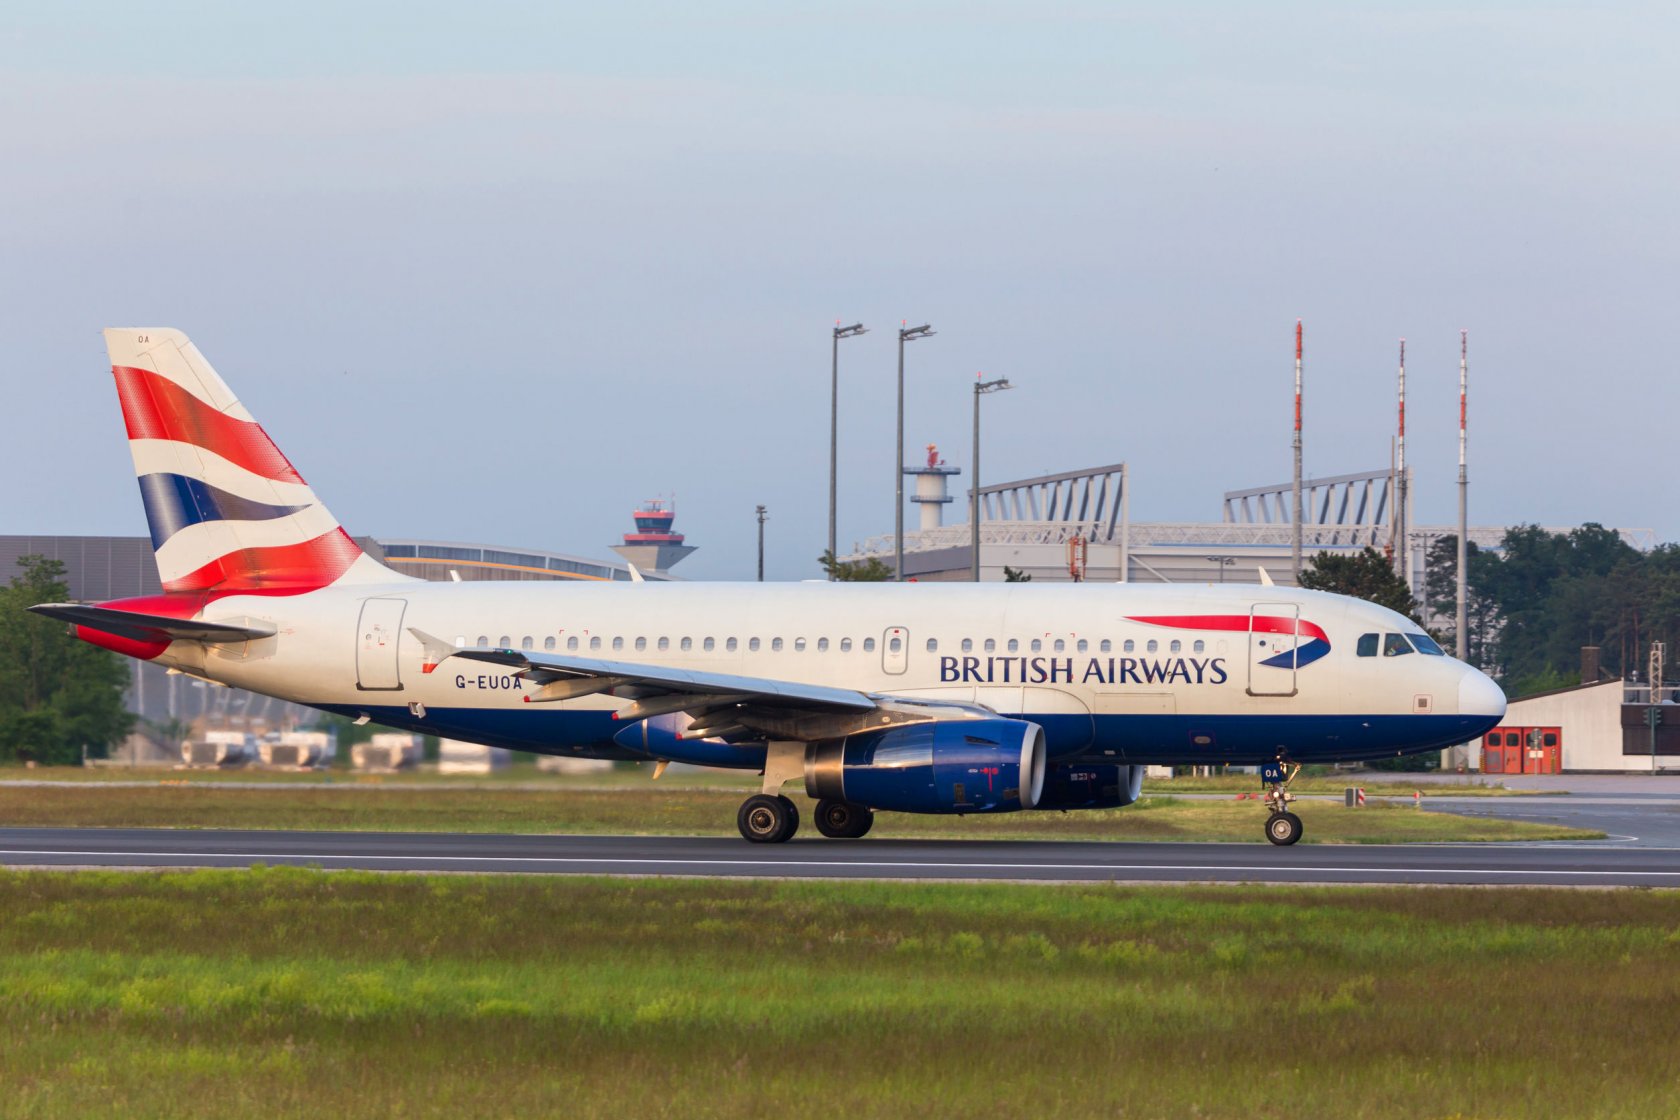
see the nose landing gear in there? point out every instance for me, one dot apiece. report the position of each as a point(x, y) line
point(1282, 827)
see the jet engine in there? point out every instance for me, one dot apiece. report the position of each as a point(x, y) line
point(1099, 786)
point(941, 766)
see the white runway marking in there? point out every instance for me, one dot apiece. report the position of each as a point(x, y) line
point(872, 864)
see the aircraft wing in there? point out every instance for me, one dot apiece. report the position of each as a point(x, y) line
point(150, 627)
point(565, 676)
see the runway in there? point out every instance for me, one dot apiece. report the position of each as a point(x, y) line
point(1597, 864)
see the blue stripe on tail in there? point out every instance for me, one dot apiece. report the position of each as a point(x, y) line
point(173, 502)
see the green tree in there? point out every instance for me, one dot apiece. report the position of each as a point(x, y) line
point(1367, 575)
point(1481, 612)
point(57, 694)
point(869, 570)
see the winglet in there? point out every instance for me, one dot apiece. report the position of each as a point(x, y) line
point(1265, 580)
point(635, 573)
point(435, 649)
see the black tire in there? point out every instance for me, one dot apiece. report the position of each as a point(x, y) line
point(792, 825)
point(1283, 829)
point(763, 819)
point(843, 820)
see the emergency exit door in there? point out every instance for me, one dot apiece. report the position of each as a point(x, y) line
point(895, 650)
point(376, 645)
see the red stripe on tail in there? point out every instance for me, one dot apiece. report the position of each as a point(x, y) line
point(281, 570)
point(154, 407)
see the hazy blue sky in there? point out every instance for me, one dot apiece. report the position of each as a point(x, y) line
point(497, 272)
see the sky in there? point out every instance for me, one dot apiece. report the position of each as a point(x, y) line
point(498, 272)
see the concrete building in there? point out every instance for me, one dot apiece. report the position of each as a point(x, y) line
point(1599, 727)
point(653, 547)
point(1076, 526)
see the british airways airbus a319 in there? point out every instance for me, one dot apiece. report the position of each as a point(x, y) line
point(911, 698)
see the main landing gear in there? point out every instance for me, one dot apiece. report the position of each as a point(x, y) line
point(1282, 826)
point(770, 818)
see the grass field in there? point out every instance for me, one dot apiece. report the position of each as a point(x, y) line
point(650, 809)
point(289, 993)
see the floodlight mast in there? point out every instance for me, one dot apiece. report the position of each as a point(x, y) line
point(981, 388)
point(834, 433)
point(905, 334)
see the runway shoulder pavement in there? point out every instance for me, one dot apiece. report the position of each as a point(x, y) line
point(1531, 865)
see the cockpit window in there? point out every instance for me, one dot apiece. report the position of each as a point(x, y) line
point(1426, 644)
point(1367, 645)
point(1394, 645)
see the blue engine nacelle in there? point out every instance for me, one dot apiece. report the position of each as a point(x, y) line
point(943, 766)
point(1099, 786)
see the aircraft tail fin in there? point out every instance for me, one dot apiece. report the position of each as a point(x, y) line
point(227, 510)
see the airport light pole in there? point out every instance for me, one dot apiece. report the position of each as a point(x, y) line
point(905, 334)
point(834, 430)
point(761, 519)
point(1223, 562)
point(981, 388)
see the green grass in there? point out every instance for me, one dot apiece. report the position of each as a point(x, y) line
point(654, 809)
point(289, 993)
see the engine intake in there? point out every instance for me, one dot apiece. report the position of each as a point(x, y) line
point(942, 766)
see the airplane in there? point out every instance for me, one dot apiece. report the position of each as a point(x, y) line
point(898, 697)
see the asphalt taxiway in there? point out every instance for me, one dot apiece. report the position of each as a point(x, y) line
point(1580, 864)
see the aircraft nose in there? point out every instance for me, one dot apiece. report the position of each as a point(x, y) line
point(1479, 696)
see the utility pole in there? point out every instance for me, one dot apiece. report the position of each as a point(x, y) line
point(1402, 530)
point(1295, 537)
point(1461, 618)
point(761, 519)
point(1654, 714)
point(834, 430)
point(981, 388)
point(905, 334)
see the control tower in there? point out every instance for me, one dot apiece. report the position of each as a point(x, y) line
point(653, 547)
point(931, 489)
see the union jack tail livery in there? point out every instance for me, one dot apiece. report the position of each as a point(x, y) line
point(228, 512)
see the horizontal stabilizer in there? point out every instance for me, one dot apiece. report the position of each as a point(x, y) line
point(151, 627)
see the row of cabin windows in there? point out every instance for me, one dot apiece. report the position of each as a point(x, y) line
point(895, 644)
point(1397, 645)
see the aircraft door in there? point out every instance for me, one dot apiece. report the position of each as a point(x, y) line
point(1273, 635)
point(895, 650)
point(376, 644)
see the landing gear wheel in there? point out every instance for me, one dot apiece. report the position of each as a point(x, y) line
point(767, 820)
point(843, 820)
point(1283, 828)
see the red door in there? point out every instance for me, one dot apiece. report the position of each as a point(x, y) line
point(1551, 750)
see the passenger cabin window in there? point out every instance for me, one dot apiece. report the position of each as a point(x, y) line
point(1199, 646)
point(664, 644)
point(687, 644)
point(1082, 646)
point(572, 643)
point(869, 645)
point(484, 641)
point(641, 644)
point(1014, 645)
point(1153, 645)
point(1423, 643)
point(595, 643)
point(895, 644)
point(752, 645)
point(1129, 646)
point(822, 645)
point(799, 645)
point(1037, 646)
point(729, 646)
point(991, 645)
point(775, 645)
point(1395, 645)
point(845, 645)
point(549, 643)
point(1105, 646)
point(1177, 646)
point(1060, 646)
point(968, 645)
point(505, 642)
point(933, 644)
point(1367, 646)
point(618, 644)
